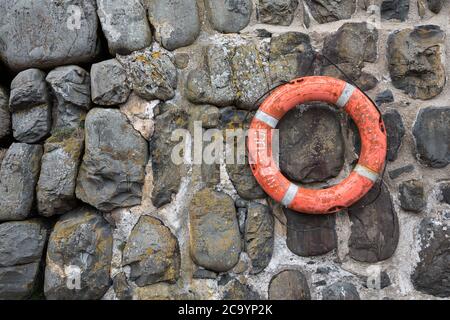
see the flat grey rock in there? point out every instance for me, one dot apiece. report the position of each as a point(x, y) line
point(109, 83)
point(18, 282)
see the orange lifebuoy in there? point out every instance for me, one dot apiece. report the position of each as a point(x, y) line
point(371, 130)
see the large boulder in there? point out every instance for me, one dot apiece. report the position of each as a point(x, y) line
point(229, 16)
point(18, 177)
point(432, 136)
point(45, 34)
point(30, 106)
point(5, 116)
point(79, 257)
point(375, 229)
point(113, 168)
point(125, 25)
point(151, 73)
point(55, 190)
point(432, 273)
point(215, 241)
point(71, 91)
point(176, 22)
point(152, 252)
point(415, 61)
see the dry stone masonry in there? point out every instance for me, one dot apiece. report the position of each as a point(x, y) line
point(95, 96)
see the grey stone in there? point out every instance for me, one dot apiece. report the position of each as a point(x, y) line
point(176, 22)
point(395, 131)
point(395, 173)
point(445, 190)
point(381, 281)
point(18, 282)
point(21, 242)
point(28, 89)
point(415, 61)
point(5, 116)
point(229, 16)
point(375, 230)
point(109, 83)
point(166, 173)
point(259, 237)
point(152, 252)
point(324, 11)
point(291, 56)
point(151, 73)
point(289, 285)
point(213, 82)
point(79, 245)
point(340, 291)
point(181, 60)
point(209, 116)
point(204, 274)
point(432, 136)
point(215, 241)
point(30, 42)
point(32, 125)
point(395, 9)
point(249, 75)
point(122, 288)
point(235, 290)
point(279, 12)
point(383, 97)
point(55, 192)
point(71, 90)
point(125, 25)
point(310, 235)
point(435, 6)
point(18, 177)
point(311, 143)
point(432, 273)
point(412, 196)
point(113, 168)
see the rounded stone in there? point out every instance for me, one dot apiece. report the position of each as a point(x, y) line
point(289, 285)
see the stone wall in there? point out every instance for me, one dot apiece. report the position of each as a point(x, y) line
point(92, 207)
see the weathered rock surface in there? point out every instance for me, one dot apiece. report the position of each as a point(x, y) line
point(435, 6)
point(340, 291)
point(125, 25)
point(122, 287)
point(176, 22)
point(310, 235)
point(432, 136)
point(79, 253)
point(215, 241)
point(21, 242)
point(30, 42)
point(5, 116)
point(18, 282)
point(71, 91)
point(109, 83)
point(291, 56)
point(412, 196)
point(113, 168)
point(432, 273)
point(29, 103)
point(139, 112)
point(152, 252)
point(324, 11)
point(311, 144)
point(249, 75)
point(385, 96)
point(55, 190)
point(212, 84)
point(375, 230)
point(445, 191)
point(151, 73)
point(395, 173)
point(289, 285)
point(395, 9)
point(166, 173)
point(279, 12)
point(18, 177)
point(259, 229)
point(395, 131)
point(415, 61)
point(229, 16)
point(235, 290)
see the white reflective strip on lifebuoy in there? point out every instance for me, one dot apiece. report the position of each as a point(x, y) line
point(366, 172)
point(345, 95)
point(290, 195)
point(268, 119)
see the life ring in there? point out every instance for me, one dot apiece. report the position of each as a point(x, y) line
point(349, 190)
